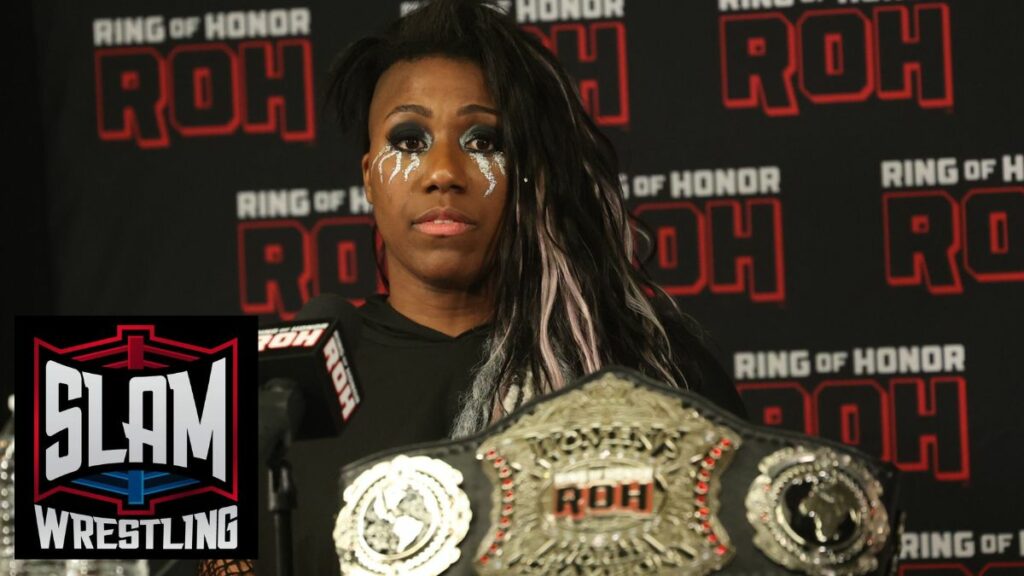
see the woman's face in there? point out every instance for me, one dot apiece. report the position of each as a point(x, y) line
point(435, 172)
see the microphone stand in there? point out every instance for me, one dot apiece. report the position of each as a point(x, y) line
point(281, 409)
point(281, 503)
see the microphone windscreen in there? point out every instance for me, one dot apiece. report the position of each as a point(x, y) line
point(313, 351)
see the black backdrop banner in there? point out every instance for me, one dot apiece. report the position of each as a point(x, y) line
point(835, 190)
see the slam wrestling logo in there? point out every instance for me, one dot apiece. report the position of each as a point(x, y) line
point(227, 72)
point(833, 55)
point(131, 432)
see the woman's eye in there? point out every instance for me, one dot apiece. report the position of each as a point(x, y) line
point(481, 144)
point(483, 139)
point(409, 144)
point(409, 137)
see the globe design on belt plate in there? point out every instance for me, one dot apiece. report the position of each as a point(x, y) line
point(821, 514)
point(398, 519)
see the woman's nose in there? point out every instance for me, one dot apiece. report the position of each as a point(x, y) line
point(445, 169)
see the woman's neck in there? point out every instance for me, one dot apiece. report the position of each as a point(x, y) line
point(449, 311)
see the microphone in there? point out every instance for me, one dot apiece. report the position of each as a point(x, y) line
point(307, 388)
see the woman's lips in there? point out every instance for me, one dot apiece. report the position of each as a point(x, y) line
point(443, 222)
point(442, 227)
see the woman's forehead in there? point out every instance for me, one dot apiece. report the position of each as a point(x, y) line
point(436, 83)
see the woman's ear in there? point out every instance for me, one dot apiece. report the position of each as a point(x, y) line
point(366, 178)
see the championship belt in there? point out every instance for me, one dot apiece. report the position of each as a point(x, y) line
point(617, 474)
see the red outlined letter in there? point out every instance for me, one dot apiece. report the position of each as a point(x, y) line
point(920, 47)
point(758, 53)
point(922, 239)
point(994, 234)
point(930, 426)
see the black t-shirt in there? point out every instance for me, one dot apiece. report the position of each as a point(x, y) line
point(410, 378)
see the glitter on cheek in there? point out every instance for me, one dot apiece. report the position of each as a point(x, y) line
point(484, 164)
point(414, 158)
point(499, 159)
point(414, 163)
point(384, 150)
point(398, 166)
point(385, 153)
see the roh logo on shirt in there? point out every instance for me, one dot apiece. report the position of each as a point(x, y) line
point(132, 437)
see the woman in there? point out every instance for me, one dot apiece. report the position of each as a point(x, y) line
point(550, 264)
point(508, 251)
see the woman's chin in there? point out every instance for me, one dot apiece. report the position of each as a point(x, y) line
point(457, 276)
point(445, 269)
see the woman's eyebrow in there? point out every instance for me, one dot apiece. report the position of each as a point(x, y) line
point(414, 108)
point(474, 108)
point(427, 113)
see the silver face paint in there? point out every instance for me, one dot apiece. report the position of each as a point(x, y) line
point(414, 158)
point(398, 166)
point(484, 160)
point(414, 163)
point(389, 151)
point(484, 164)
point(499, 159)
point(386, 152)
